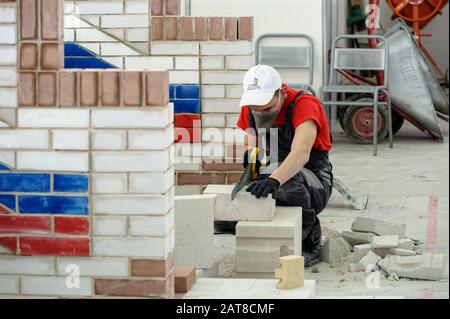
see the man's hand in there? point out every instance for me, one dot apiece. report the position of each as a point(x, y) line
point(264, 187)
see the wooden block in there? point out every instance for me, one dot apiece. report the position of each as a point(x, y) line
point(291, 273)
point(184, 278)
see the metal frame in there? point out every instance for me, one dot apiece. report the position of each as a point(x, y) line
point(310, 67)
point(375, 89)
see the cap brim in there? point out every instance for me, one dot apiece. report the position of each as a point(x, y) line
point(255, 98)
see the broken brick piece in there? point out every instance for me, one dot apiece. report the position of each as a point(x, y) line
point(291, 273)
point(185, 278)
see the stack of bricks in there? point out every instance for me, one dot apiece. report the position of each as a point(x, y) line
point(86, 169)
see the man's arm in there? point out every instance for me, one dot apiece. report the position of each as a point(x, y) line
point(305, 135)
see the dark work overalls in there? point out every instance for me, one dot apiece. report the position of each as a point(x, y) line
point(310, 188)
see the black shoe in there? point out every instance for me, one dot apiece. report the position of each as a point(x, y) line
point(225, 227)
point(312, 257)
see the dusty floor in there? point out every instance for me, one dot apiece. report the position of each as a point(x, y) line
point(396, 186)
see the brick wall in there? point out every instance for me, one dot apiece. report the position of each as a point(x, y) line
point(86, 168)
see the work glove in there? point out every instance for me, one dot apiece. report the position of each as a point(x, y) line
point(264, 187)
point(247, 155)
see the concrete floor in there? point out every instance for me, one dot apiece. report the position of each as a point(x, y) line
point(397, 186)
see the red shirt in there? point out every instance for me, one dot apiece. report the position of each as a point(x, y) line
point(307, 107)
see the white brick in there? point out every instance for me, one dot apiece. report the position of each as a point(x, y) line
point(118, 33)
point(8, 158)
point(154, 117)
point(220, 105)
point(234, 91)
point(233, 136)
point(184, 77)
point(9, 285)
point(93, 19)
point(222, 77)
point(183, 190)
point(71, 21)
point(94, 266)
point(213, 120)
point(94, 47)
point(54, 286)
point(156, 161)
point(53, 118)
point(152, 226)
point(186, 164)
point(144, 62)
point(116, 49)
point(69, 7)
point(186, 63)
point(8, 34)
point(150, 139)
point(226, 48)
point(110, 225)
point(232, 120)
point(109, 183)
point(7, 14)
point(137, 6)
point(213, 62)
point(8, 55)
point(156, 247)
point(8, 97)
point(19, 139)
point(244, 62)
point(151, 183)
point(99, 7)
point(125, 21)
point(109, 140)
point(8, 77)
point(131, 204)
point(135, 35)
point(53, 161)
point(188, 150)
point(116, 61)
point(70, 140)
point(175, 48)
point(24, 265)
point(213, 91)
point(92, 35)
point(69, 35)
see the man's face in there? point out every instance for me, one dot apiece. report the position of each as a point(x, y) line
point(273, 106)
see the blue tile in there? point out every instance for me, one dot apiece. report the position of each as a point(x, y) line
point(70, 183)
point(172, 91)
point(8, 201)
point(56, 205)
point(11, 182)
point(187, 92)
point(87, 63)
point(3, 167)
point(73, 49)
point(69, 63)
point(186, 106)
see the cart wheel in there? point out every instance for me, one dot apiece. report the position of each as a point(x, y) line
point(358, 122)
point(342, 109)
point(397, 122)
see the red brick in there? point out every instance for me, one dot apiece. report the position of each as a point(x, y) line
point(71, 225)
point(156, 88)
point(88, 88)
point(28, 56)
point(27, 89)
point(216, 28)
point(28, 13)
point(47, 82)
point(132, 88)
point(185, 278)
point(9, 244)
point(68, 88)
point(233, 178)
point(50, 56)
point(201, 29)
point(51, 13)
point(110, 88)
point(157, 7)
point(186, 120)
point(54, 246)
point(201, 178)
point(25, 224)
point(223, 167)
point(186, 26)
point(157, 28)
point(231, 29)
point(133, 287)
point(152, 267)
point(171, 28)
point(246, 28)
point(187, 135)
point(173, 7)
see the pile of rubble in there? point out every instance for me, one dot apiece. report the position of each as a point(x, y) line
point(374, 244)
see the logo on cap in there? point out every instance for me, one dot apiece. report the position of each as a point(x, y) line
point(254, 86)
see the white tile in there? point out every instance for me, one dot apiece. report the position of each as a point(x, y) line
point(8, 55)
point(184, 77)
point(244, 62)
point(53, 161)
point(234, 91)
point(151, 183)
point(145, 62)
point(154, 161)
point(109, 183)
point(136, 35)
point(222, 77)
point(99, 7)
point(93, 266)
point(73, 22)
point(116, 49)
point(93, 35)
point(53, 118)
point(8, 97)
point(8, 77)
point(130, 204)
point(109, 140)
point(69, 35)
point(153, 225)
point(25, 265)
point(220, 105)
point(186, 63)
point(70, 140)
point(8, 13)
point(226, 48)
point(54, 286)
point(125, 21)
point(109, 225)
point(175, 48)
point(8, 158)
point(94, 47)
point(150, 139)
point(9, 284)
point(24, 139)
point(154, 117)
point(213, 62)
point(213, 120)
point(116, 61)
point(137, 6)
point(154, 247)
point(8, 34)
point(213, 91)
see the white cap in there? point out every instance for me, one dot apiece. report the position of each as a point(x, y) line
point(260, 84)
